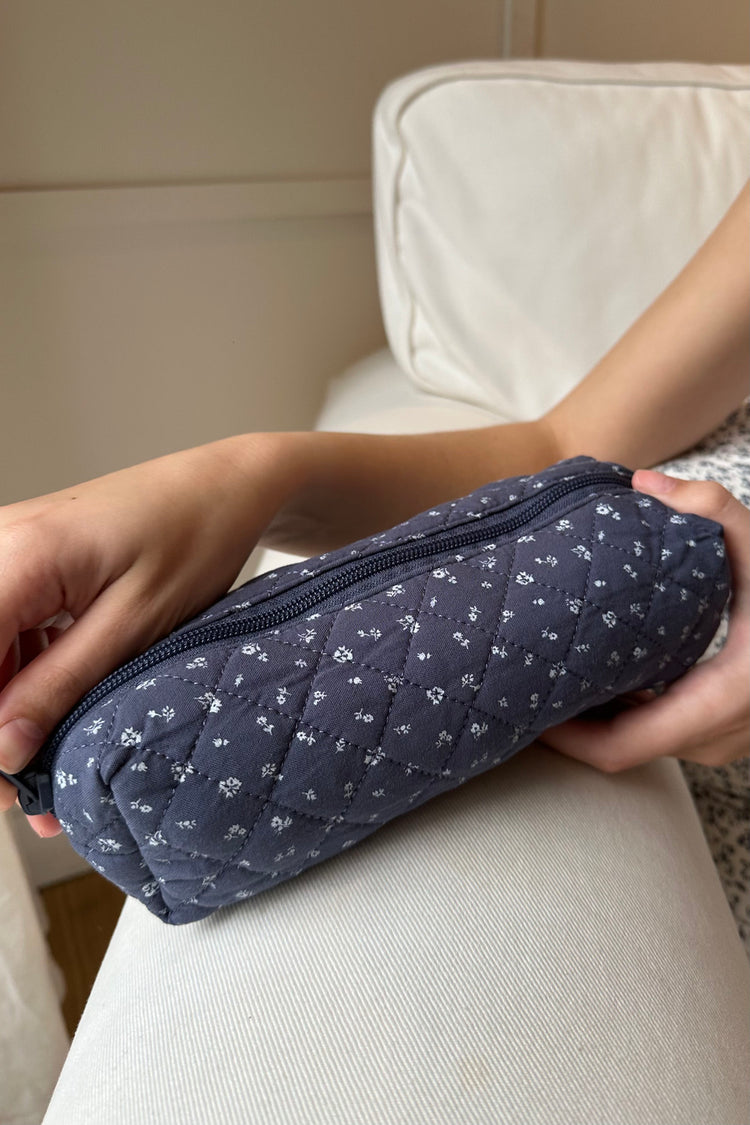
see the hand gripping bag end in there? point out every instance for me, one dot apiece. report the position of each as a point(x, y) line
point(313, 704)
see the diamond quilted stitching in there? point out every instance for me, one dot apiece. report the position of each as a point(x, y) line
point(248, 845)
point(380, 794)
point(514, 680)
point(372, 760)
point(356, 695)
point(247, 673)
point(242, 740)
point(421, 726)
point(319, 776)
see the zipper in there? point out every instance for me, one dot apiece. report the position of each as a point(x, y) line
point(34, 782)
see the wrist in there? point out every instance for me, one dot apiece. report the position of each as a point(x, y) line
point(547, 444)
point(265, 468)
point(276, 469)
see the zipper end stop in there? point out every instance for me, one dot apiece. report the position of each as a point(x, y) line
point(34, 790)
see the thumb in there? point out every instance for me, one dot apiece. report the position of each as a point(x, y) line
point(712, 501)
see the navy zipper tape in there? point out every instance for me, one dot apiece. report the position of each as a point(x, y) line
point(34, 782)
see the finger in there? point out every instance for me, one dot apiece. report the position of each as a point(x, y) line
point(26, 599)
point(45, 825)
point(10, 662)
point(635, 698)
point(604, 744)
point(693, 712)
point(8, 794)
point(712, 501)
point(26, 647)
point(30, 643)
point(111, 631)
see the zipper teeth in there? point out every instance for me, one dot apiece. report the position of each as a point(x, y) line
point(391, 556)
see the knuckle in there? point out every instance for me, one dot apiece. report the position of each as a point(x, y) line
point(735, 746)
point(27, 555)
point(714, 496)
point(62, 683)
point(16, 538)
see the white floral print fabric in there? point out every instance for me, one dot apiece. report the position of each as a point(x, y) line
point(220, 771)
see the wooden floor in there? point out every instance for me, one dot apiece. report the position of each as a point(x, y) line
point(82, 914)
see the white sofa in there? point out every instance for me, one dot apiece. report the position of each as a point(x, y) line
point(546, 944)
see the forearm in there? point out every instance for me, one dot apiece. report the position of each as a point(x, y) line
point(679, 369)
point(674, 375)
point(328, 489)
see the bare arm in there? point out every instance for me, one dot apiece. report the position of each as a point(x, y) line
point(668, 381)
point(680, 368)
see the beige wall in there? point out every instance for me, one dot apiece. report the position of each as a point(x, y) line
point(185, 227)
point(688, 30)
point(152, 91)
point(148, 91)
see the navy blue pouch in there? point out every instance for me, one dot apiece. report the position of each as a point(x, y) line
point(313, 704)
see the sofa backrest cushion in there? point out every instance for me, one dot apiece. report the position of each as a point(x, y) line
point(528, 211)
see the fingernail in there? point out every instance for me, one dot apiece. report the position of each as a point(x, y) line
point(19, 741)
point(46, 831)
point(650, 480)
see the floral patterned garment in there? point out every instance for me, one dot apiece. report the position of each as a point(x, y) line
point(722, 794)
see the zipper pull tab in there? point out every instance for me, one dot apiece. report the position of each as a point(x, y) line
point(34, 790)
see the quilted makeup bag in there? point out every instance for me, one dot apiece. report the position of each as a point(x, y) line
point(313, 704)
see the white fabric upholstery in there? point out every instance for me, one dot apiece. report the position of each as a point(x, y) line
point(33, 1038)
point(527, 212)
point(373, 396)
point(544, 945)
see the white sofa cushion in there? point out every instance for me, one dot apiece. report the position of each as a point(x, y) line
point(527, 212)
point(374, 397)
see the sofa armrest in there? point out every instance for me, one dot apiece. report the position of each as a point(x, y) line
point(544, 945)
point(33, 1039)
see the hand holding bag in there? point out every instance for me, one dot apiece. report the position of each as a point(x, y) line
point(313, 704)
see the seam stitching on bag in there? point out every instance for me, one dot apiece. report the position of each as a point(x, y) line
point(455, 745)
point(188, 757)
point(118, 816)
point(366, 771)
point(269, 799)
